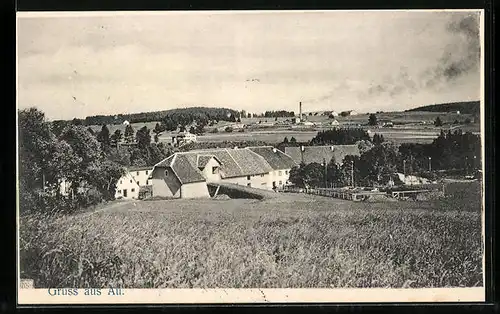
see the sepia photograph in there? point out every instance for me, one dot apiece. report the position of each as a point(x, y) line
point(295, 156)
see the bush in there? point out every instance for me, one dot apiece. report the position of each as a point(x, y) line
point(228, 129)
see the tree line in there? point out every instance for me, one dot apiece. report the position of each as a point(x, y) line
point(379, 159)
point(191, 114)
point(90, 162)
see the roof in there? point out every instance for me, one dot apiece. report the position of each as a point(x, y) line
point(274, 157)
point(234, 162)
point(140, 168)
point(319, 153)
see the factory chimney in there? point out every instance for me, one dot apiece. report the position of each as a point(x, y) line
point(300, 111)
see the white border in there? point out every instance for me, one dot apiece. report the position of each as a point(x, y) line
point(171, 296)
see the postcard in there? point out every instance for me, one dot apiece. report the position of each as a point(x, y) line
point(250, 156)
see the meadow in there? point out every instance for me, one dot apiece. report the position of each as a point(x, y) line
point(295, 241)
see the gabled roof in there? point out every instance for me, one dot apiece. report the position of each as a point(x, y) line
point(274, 157)
point(234, 162)
point(319, 153)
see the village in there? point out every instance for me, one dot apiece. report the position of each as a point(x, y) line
point(188, 174)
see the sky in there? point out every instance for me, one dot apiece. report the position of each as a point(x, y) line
point(77, 65)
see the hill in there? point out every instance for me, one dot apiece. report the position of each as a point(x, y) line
point(154, 116)
point(467, 107)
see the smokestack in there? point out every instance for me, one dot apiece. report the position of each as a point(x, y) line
point(300, 111)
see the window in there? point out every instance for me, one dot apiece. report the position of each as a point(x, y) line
point(279, 173)
point(147, 172)
point(215, 170)
point(248, 177)
point(249, 184)
point(262, 175)
point(166, 173)
point(130, 181)
point(138, 183)
point(119, 191)
point(147, 182)
point(286, 171)
point(132, 190)
point(137, 173)
point(281, 183)
point(121, 182)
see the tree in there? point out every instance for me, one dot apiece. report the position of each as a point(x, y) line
point(228, 129)
point(467, 121)
point(364, 146)
point(192, 130)
point(103, 138)
point(276, 119)
point(143, 138)
point(88, 129)
point(438, 122)
point(129, 133)
point(382, 159)
point(293, 140)
point(372, 120)
point(182, 128)
point(285, 140)
point(116, 138)
point(238, 120)
point(378, 139)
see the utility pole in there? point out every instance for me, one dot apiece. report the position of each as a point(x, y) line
point(325, 175)
point(430, 168)
point(352, 172)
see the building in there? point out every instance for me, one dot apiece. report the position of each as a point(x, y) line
point(183, 138)
point(126, 122)
point(308, 123)
point(186, 174)
point(335, 123)
point(318, 154)
point(129, 185)
point(348, 113)
point(333, 114)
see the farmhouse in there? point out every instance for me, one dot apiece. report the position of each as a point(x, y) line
point(186, 174)
point(129, 185)
point(335, 123)
point(318, 154)
point(183, 138)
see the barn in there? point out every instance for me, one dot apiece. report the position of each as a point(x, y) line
point(318, 154)
point(186, 174)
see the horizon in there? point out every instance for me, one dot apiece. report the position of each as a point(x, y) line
point(74, 67)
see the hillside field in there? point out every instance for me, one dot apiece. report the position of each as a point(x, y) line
point(410, 129)
point(298, 241)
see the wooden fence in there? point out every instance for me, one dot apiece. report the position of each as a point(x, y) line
point(352, 195)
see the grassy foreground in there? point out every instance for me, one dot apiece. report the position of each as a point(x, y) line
point(306, 242)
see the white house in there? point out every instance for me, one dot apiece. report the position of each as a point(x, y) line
point(126, 122)
point(183, 138)
point(186, 174)
point(335, 123)
point(128, 186)
point(333, 114)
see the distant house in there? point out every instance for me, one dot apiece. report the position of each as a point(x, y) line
point(309, 123)
point(310, 154)
point(182, 138)
point(128, 185)
point(333, 114)
point(335, 123)
point(296, 120)
point(348, 113)
point(186, 174)
point(126, 122)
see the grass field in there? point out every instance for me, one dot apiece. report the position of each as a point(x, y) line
point(297, 241)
